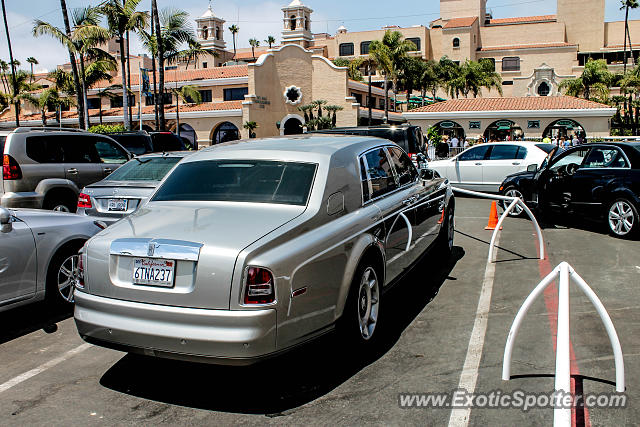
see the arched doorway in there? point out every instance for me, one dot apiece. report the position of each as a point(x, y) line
point(188, 133)
point(226, 131)
point(450, 129)
point(564, 128)
point(293, 127)
point(503, 130)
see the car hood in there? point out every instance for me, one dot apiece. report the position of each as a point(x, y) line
point(219, 231)
point(522, 174)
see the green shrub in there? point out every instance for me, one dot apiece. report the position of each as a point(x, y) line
point(106, 129)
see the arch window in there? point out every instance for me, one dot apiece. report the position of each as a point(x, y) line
point(346, 49)
point(225, 132)
point(456, 42)
point(292, 23)
point(544, 89)
point(218, 35)
point(205, 33)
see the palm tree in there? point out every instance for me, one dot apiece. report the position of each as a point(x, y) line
point(188, 95)
point(13, 66)
point(270, 40)
point(490, 78)
point(596, 78)
point(85, 36)
point(254, 44)
point(74, 66)
point(332, 110)
point(122, 17)
point(32, 61)
point(626, 5)
point(4, 69)
point(234, 31)
point(22, 90)
point(448, 72)
point(194, 52)
point(429, 80)
point(156, 35)
point(106, 92)
point(305, 109)
point(251, 127)
point(49, 99)
point(319, 103)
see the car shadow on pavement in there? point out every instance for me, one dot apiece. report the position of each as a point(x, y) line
point(278, 385)
point(29, 318)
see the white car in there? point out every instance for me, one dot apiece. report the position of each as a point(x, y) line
point(483, 167)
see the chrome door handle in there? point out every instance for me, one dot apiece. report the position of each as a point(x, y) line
point(515, 163)
point(107, 170)
point(72, 171)
point(478, 164)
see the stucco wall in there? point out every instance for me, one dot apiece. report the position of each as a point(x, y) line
point(584, 21)
point(511, 35)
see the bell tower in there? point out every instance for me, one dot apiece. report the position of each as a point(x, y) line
point(297, 24)
point(211, 30)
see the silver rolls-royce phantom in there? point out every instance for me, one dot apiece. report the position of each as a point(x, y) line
point(250, 249)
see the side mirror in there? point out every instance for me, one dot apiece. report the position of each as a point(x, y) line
point(5, 220)
point(428, 174)
point(532, 168)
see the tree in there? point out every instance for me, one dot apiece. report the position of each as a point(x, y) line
point(411, 70)
point(106, 92)
point(188, 95)
point(74, 67)
point(251, 127)
point(270, 41)
point(49, 99)
point(122, 17)
point(234, 32)
point(156, 34)
point(429, 80)
point(4, 69)
point(254, 44)
point(85, 36)
point(32, 61)
point(194, 52)
point(626, 5)
point(22, 90)
point(595, 80)
point(388, 54)
point(13, 66)
point(332, 110)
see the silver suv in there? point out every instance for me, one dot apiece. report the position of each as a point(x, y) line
point(47, 167)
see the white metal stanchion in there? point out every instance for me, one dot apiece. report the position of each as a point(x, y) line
point(514, 201)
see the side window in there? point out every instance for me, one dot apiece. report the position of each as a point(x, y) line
point(522, 153)
point(404, 166)
point(573, 157)
point(605, 158)
point(475, 153)
point(379, 172)
point(504, 152)
point(364, 179)
point(80, 149)
point(110, 153)
point(44, 149)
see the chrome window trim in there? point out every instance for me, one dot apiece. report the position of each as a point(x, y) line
point(620, 150)
point(179, 250)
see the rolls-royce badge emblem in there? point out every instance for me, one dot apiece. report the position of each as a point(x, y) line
point(152, 249)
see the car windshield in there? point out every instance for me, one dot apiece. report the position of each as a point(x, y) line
point(254, 181)
point(144, 169)
point(135, 144)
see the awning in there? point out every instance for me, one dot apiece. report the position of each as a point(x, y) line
point(504, 127)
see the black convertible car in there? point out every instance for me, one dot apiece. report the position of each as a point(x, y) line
point(599, 181)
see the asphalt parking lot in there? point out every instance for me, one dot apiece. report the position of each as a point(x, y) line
point(49, 376)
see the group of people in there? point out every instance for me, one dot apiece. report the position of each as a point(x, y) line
point(563, 142)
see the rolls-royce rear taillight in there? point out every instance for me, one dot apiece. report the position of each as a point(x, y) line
point(259, 287)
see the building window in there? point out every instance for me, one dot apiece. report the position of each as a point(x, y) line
point(218, 37)
point(364, 48)
point(93, 103)
point(382, 103)
point(205, 65)
point(474, 125)
point(235, 94)
point(507, 83)
point(544, 89)
point(292, 23)
point(205, 33)
point(306, 24)
point(358, 97)
point(117, 102)
point(168, 99)
point(416, 41)
point(346, 49)
point(533, 124)
point(456, 43)
point(205, 95)
point(511, 63)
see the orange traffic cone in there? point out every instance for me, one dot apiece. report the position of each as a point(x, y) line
point(441, 220)
point(493, 217)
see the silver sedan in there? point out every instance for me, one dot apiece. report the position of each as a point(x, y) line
point(39, 255)
point(248, 250)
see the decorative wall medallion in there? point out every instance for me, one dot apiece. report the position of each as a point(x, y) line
point(293, 95)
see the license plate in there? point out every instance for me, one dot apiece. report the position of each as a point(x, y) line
point(117, 205)
point(155, 272)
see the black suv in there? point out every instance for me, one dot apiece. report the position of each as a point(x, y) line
point(142, 142)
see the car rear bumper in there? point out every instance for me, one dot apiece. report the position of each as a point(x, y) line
point(22, 200)
point(109, 220)
point(215, 336)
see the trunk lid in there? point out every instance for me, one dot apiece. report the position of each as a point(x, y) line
point(203, 240)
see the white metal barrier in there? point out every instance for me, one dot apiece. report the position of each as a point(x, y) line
point(515, 201)
point(562, 415)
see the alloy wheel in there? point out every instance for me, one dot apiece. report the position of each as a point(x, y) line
point(621, 218)
point(368, 303)
point(61, 208)
point(517, 209)
point(67, 276)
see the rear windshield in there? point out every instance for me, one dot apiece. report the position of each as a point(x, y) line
point(136, 144)
point(256, 181)
point(149, 169)
point(546, 147)
point(167, 142)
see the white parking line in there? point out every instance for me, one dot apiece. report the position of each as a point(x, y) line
point(469, 376)
point(35, 371)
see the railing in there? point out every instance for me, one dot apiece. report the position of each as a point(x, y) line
point(562, 414)
point(514, 201)
point(435, 154)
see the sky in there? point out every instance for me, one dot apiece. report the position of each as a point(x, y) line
point(259, 18)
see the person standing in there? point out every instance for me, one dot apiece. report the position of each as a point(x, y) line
point(454, 142)
point(575, 140)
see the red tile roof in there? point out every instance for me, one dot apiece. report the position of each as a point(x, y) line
point(527, 46)
point(523, 20)
point(171, 76)
point(511, 104)
point(460, 22)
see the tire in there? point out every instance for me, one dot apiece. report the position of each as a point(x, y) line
point(447, 232)
point(622, 218)
point(61, 275)
point(60, 203)
point(513, 192)
point(359, 325)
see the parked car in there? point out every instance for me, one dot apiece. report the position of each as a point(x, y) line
point(128, 188)
point(295, 235)
point(143, 142)
point(46, 167)
point(483, 167)
point(408, 137)
point(598, 181)
point(39, 255)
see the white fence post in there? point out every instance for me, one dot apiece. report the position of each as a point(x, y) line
point(562, 415)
